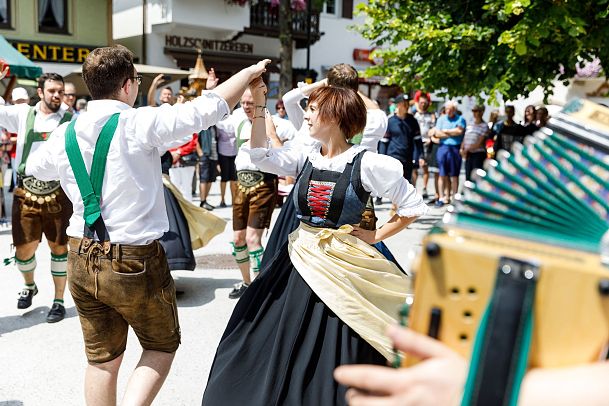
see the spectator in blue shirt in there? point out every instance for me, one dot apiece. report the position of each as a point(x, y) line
point(449, 129)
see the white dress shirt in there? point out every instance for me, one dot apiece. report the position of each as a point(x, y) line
point(132, 203)
point(381, 175)
point(376, 123)
point(240, 119)
point(14, 119)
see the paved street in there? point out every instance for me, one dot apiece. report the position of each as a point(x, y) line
point(43, 364)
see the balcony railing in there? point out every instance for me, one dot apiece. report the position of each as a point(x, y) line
point(264, 21)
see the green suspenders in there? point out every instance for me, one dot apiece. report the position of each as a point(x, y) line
point(32, 136)
point(239, 140)
point(90, 186)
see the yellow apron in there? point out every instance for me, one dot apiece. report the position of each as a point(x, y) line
point(362, 287)
point(202, 225)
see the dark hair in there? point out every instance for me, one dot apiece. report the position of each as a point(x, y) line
point(279, 103)
point(106, 70)
point(168, 88)
point(343, 75)
point(509, 106)
point(49, 76)
point(341, 106)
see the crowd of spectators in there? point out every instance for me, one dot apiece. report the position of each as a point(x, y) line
point(443, 143)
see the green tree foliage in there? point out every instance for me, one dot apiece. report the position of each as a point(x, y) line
point(465, 47)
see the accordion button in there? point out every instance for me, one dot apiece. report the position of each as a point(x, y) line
point(432, 249)
point(603, 287)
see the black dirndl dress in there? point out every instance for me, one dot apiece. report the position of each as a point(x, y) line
point(282, 343)
point(176, 241)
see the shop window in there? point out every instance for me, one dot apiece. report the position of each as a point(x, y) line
point(5, 14)
point(53, 16)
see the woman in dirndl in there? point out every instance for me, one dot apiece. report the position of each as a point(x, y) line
point(327, 296)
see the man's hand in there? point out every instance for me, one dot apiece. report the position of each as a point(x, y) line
point(368, 236)
point(5, 69)
point(212, 80)
point(437, 380)
point(158, 79)
point(308, 89)
point(258, 89)
point(258, 69)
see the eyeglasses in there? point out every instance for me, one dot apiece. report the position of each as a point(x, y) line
point(137, 78)
point(69, 94)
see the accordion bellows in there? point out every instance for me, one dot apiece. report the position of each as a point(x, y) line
point(547, 203)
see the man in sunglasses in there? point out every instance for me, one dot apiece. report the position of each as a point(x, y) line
point(39, 207)
point(108, 163)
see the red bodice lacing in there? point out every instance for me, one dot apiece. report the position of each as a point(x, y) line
point(319, 197)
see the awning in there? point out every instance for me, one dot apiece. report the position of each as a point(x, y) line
point(149, 72)
point(20, 66)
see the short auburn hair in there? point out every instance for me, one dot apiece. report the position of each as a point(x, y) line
point(343, 75)
point(106, 70)
point(341, 106)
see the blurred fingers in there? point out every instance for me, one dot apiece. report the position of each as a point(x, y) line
point(370, 378)
point(417, 344)
point(355, 397)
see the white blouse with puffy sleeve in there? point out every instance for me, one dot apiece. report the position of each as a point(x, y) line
point(381, 175)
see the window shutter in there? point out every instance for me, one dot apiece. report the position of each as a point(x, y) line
point(348, 9)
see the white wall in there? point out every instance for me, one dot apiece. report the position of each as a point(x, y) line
point(213, 14)
point(336, 45)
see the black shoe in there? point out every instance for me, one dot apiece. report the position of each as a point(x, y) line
point(238, 291)
point(25, 297)
point(57, 313)
point(223, 205)
point(206, 205)
point(378, 201)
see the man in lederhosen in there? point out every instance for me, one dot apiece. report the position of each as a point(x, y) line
point(108, 163)
point(39, 207)
point(254, 199)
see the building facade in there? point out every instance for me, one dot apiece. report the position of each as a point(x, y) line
point(57, 35)
point(230, 37)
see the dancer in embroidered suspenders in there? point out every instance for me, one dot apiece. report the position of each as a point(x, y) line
point(254, 199)
point(39, 207)
point(117, 269)
point(327, 296)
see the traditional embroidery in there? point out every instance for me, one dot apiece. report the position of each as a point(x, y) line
point(319, 196)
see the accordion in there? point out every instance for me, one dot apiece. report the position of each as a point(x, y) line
point(517, 274)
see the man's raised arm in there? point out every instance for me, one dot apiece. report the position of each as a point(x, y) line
point(232, 89)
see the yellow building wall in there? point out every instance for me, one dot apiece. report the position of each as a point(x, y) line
point(89, 22)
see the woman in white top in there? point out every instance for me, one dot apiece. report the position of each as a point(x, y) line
point(327, 296)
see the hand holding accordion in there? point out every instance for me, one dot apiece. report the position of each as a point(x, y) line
point(516, 277)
